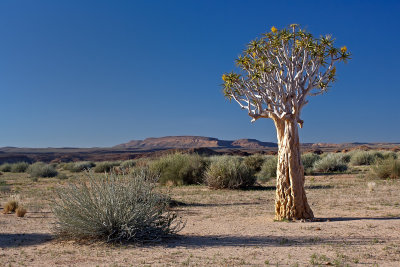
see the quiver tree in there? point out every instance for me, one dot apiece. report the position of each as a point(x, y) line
point(278, 73)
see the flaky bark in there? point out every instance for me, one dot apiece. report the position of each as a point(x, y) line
point(291, 201)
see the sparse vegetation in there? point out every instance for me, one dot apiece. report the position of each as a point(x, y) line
point(128, 164)
point(229, 172)
point(179, 169)
point(40, 169)
point(330, 163)
point(308, 161)
point(114, 208)
point(360, 157)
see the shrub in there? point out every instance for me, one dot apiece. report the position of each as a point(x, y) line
point(10, 206)
point(179, 169)
point(388, 168)
point(20, 211)
point(114, 208)
point(308, 161)
point(105, 166)
point(128, 164)
point(79, 166)
point(268, 169)
point(360, 157)
point(19, 167)
point(389, 155)
point(5, 167)
point(229, 172)
point(62, 176)
point(40, 169)
point(254, 162)
point(330, 163)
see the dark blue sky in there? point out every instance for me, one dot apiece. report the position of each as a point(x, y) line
point(98, 73)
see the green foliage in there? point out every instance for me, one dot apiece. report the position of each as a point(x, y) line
point(268, 169)
point(254, 162)
point(387, 168)
point(259, 59)
point(389, 155)
point(114, 208)
point(179, 169)
point(105, 166)
point(308, 160)
point(62, 176)
point(330, 163)
point(40, 169)
point(19, 167)
point(5, 167)
point(229, 172)
point(79, 166)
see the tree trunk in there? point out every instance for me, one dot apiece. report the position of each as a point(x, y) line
point(291, 201)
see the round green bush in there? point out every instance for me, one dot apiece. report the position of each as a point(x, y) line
point(40, 169)
point(19, 167)
point(5, 167)
point(230, 173)
point(268, 169)
point(179, 169)
point(387, 168)
point(105, 166)
point(114, 208)
point(254, 162)
point(330, 163)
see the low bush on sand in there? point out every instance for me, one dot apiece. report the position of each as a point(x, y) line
point(179, 169)
point(114, 208)
point(230, 173)
point(40, 169)
point(387, 168)
point(268, 169)
point(330, 163)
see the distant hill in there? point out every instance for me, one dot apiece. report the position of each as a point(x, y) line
point(194, 142)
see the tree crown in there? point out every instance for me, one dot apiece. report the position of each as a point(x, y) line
point(280, 69)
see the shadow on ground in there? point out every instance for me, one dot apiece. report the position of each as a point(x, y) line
point(345, 219)
point(23, 240)
point(260, 241)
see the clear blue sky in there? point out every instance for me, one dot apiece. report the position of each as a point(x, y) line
point(99, 73)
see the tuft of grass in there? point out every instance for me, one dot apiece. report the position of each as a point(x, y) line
point(330, 163)
point(128, 164)
point(387, 168)
point(114, 208)
point(230, 173)
point(19, 167)
point(40, 169)
point(268, 169)
point(62, 176)
point(105, 166)
point(20, 211)
point(10, 206)
point(179, 169)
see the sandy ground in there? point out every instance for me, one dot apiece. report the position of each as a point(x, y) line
point(357, 227)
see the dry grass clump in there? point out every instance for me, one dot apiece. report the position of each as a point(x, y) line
point(10, 206)
point(229, 172)
point(179, 169)
point(20, 211)
point(359, 157)
point(388, 168)
point(114, 208)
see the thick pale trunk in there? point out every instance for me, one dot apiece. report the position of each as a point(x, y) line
point(291, 201)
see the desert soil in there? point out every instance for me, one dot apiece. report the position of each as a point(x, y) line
point(359, 225)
